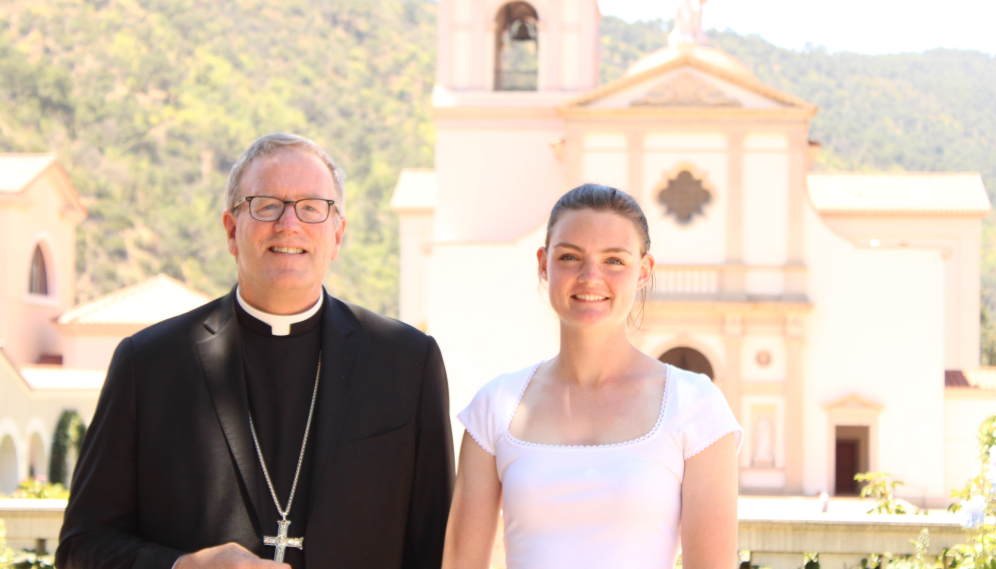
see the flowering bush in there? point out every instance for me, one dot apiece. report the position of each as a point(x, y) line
point(40, 489)
point(978, 504)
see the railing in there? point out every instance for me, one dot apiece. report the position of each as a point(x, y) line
point(777, 532)
point(516, 80)
point(684, 280)
point(32, 524)
point(730, 282)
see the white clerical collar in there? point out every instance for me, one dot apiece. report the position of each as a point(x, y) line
point(280, 325)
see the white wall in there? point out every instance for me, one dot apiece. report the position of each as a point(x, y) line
point(488, 313)
point(765, 195)
point(876, 330)
point(703, 241)
point(415, 240)
point(494, 185)
point(89, 352)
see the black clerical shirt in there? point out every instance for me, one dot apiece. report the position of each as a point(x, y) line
point(280, 380)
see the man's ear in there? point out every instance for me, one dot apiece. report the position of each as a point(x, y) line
point(228, 220)
point(340, 230)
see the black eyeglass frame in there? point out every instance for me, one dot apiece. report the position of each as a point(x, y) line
point(248, 200)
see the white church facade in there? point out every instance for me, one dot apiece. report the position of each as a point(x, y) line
point(838, 312)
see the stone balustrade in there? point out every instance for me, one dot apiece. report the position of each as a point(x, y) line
point(32, 524)
point(778, 532)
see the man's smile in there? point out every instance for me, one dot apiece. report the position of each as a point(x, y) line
point(287, 250)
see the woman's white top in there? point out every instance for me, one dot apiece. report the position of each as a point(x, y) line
point(603, 506)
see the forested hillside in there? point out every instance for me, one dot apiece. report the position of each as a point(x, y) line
point(148, 103)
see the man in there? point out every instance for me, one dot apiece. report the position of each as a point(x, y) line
point(226, 435)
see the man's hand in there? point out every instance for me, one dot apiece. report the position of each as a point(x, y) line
point(228, 556)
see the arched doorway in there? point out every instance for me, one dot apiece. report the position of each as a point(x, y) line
point(36, 457)
point(688, 359)
point(8, 466)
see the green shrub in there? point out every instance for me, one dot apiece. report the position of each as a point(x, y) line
point(881, 486)
point(977, 501)
point(6, 555)
point(69, 433)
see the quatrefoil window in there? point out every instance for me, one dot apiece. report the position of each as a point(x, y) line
point(684, 197)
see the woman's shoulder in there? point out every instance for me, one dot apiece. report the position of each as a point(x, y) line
point(700, 411)
point(490, 411)
point(688, 385)
point(506, 385)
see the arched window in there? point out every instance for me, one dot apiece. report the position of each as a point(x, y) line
point(688, 359)
point(38, 279)
point(516, 48)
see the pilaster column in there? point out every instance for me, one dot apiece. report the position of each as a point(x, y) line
point(634, 168)
point(795, 278)
point(573, 157)
point(794, 386)
point(733, 287)
point(730, 383)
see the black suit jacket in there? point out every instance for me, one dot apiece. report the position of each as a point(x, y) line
point(165, 466)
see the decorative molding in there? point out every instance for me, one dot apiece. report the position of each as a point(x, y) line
point(685, 90)
point(689, 58)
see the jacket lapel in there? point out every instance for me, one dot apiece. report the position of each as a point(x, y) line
point(221, 361)
point(342, 346)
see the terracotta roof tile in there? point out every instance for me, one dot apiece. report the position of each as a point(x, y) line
point(980, 378)
point(955, 378)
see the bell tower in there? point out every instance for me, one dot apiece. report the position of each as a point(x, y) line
point(523, 46)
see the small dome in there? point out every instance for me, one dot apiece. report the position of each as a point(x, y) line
point(709, 55)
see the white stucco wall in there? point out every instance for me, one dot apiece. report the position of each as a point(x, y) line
point(415, 240)
point(89, 352)
point(489, 313)
point(26, 330)
point(876, 330)
point(765, 217)
point(702, 242)
point(494, 185)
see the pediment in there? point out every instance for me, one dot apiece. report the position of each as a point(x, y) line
point(688, 82)
point(853, 402)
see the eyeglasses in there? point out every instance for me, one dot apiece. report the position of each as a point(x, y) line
point(308, 210)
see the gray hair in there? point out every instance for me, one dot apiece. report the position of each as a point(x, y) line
point(272, 143)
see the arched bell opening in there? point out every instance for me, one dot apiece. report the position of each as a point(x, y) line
point(688, 359)
point(517, 48)
point(38, 275)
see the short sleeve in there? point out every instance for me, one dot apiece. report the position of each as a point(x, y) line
point(705, 414)
point(480, 418)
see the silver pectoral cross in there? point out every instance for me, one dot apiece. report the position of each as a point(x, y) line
point(282, 542)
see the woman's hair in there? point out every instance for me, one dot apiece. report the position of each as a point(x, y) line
point(597, 197)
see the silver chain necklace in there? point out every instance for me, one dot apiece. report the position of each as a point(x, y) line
point(281, 541)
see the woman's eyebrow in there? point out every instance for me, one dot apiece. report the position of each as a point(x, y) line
point(609, 250)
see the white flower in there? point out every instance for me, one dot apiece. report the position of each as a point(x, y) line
point(974, 511)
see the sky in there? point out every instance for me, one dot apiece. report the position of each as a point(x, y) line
point(862, 26)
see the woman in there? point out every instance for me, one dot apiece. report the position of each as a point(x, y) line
point(598, 456)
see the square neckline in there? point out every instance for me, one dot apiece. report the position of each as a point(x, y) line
point(653, 431)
